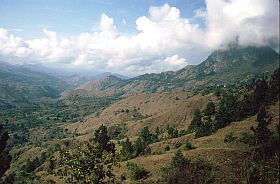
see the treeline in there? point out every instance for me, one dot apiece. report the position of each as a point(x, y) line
point(235, 107)
point(140, 146)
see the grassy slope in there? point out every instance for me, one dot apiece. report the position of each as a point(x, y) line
point(212, 148)
point(156, 109)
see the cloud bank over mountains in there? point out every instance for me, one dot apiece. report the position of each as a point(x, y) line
point(164, 40)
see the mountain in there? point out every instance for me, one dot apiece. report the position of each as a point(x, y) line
point(19, 85)
point(107, 74)
point(231, 66)
point(100, 87)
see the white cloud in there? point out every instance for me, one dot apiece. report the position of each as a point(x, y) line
point(250, 22)
point(162, 37)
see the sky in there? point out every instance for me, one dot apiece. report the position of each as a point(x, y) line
point(131, 37)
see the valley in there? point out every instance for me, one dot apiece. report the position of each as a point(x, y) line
point(206, 118)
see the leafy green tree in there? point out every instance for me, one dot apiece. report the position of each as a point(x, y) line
point(205, 128)
point(172, 132)
point(5, 158)
point(102, 139)
point(196, 121)
point(127, 150)
point(84, 164)
point(248, 106)
point(183, 170)
point(139, 147)
point(136, 172)
point(228, 111)
point(210, 109)
point(146, 135)
point(178, 160)
point(261, 92)
point(262, 134)
point(274, 86)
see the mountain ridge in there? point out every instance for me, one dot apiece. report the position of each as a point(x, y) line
point(230, 66)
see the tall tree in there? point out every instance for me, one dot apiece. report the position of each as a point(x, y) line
point(127, 149)
point(196, 121)
point(210, 109)
point(85, 164)
point(274, 86)
point(261, 92)
point(146, 135)
point(228, 111)
point(102, 139)
point(5, 158)
point(261, 133)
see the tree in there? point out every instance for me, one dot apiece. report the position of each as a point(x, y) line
point(274, 86)
point(178, 160)
point(210, 109)
point(103, 140)
point(136, 172)
point(146, 135)
point(5, 158)
point(85, 164)
point(127, 149)
point(261, 92)
point(228, 111)
point(196, 121)
point(139, 147)
point(261, 133)
point(172, 132)
point(182, 170)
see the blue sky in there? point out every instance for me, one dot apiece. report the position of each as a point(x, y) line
point(131, 37)
point(27, 18)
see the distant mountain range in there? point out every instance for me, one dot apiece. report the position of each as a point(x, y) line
point(22, 85)
point(231, 66)
point(223, 67)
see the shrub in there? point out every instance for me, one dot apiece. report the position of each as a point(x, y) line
point(177, 145)
point(178, 160)
point(182, 171)
point(229, 138)
point(136, 172)
point(188, 146)
point(247, 138)
point(167, 148)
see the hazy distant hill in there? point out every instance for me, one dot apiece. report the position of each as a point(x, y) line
point(230, 66)
point(100, 87)
point(21, 85)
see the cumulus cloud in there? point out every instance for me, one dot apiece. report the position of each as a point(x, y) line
point(247, 22)
point(164, 41)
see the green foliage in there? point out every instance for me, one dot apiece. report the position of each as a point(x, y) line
point(172, 132)
point(230, 138)
point(178, 160)
point(167, 148)
point(146, 135)
point(262, 134)
point(5, 158)
point(139, 147)
point(117, 131)
point(188, 146)
point(201, 127)
point(196, 121)
point(102, 139)
point(228, 111)
point(247, 138)
point(210, 109)
point(127, 150)
point(183, 170)
point(85, 164)
point(136, 172)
